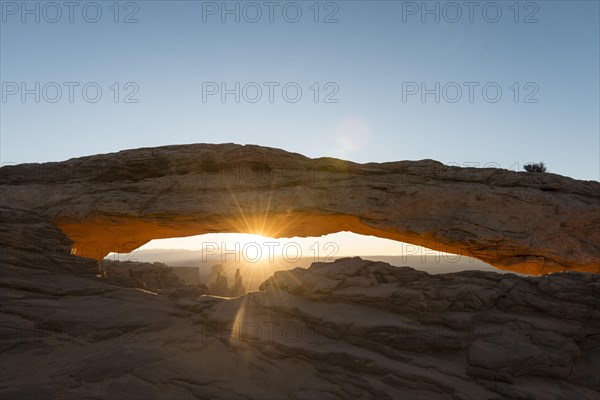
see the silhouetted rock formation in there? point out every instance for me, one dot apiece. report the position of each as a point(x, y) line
point(215, 270)
point(149, 275)
point(531, 223)
point(238, 288)
point(220, 287)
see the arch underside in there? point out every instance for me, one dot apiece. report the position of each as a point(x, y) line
point(100, 235)
point(524, 222)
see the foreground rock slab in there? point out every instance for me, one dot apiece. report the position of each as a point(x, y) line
point(351, 329)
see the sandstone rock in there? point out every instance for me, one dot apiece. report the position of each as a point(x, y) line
point(150, 275)
point(407, 334)
point(525, 222)
point(352, 329)
point(506, 344)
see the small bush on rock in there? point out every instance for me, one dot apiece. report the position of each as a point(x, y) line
point(535, 167)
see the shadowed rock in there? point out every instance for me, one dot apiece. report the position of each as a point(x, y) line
point(351, 329)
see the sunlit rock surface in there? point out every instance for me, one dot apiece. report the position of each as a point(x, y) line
point(352, 329)
point(525, 222)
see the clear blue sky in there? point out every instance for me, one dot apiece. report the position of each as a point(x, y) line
point(371, 56)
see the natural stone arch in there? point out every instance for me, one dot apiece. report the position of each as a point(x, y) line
point(533, 223)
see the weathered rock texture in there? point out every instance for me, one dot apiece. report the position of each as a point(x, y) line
point(352, 329)
point(150, 275)
point(525, 222)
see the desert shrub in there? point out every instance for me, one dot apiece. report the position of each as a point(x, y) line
point(535, 167)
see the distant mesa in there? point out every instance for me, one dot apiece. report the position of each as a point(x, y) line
point(151, 276)
point(163, 279)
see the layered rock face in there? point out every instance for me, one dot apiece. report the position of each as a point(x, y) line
point(352, 329)
point(531, 223)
